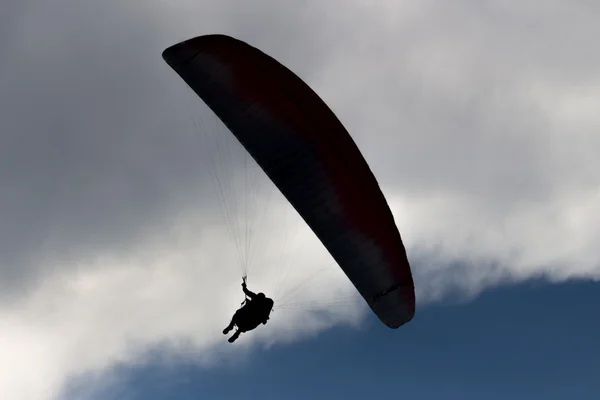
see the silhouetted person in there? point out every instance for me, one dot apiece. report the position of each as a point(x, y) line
point(254, 312)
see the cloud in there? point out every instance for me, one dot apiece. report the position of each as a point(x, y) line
point(479, 121)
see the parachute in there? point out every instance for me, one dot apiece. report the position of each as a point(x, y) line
point(310, 157)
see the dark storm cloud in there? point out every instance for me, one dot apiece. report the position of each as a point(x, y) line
point(93, 151)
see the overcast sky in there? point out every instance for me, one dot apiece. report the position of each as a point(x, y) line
point(479, 118)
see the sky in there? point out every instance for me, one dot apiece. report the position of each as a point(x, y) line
point(117, 271)
point(529, 341)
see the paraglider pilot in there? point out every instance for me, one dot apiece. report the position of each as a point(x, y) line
point(255, 310)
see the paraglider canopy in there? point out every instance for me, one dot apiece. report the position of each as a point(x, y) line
point(308, 154)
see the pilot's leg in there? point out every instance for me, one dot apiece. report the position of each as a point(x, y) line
point(234, 337)
point(229, 327)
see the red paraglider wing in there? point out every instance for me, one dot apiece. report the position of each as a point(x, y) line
point(308, 154)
